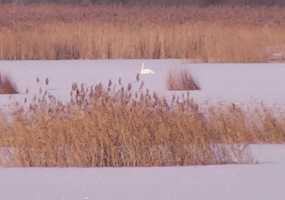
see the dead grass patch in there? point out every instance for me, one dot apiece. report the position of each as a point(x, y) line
point(117, 126)
point(7, 86)
point(238, 34)
point(181, 80)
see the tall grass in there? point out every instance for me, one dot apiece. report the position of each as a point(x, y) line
point(116, 126)
point(181, 80)
point(152, 2)
point(6, 85)
point(212, 34)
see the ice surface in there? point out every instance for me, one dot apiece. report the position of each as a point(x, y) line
point(219, 82)
point(248, 83)
point(235, 182)
point(268, 153)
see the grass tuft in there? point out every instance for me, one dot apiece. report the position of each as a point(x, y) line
point(7, 86)
point(181, 80)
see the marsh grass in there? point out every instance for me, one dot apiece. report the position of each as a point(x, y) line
point(117, 126)
point(7, 86)
point(181, 80)
point(211, 34)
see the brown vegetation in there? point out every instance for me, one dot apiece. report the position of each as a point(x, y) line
point(116, 126)
point(181, 80)
point(153, 2)
point(210, 34)
point(7, 86)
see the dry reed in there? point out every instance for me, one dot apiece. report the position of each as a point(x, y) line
point(212, 34)
point(113, 126)
point(7, 86)
point(116, 126)
point(181, 80)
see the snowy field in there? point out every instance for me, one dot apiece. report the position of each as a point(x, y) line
point(235, 182)
point(244, 83)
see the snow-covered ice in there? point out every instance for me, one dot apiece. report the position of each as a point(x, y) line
point(219, 82)
point(261, 181)
point(235, 182)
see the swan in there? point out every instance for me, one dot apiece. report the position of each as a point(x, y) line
point(146, 70)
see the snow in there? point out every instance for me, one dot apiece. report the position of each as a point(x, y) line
point(241, 82)
point(235, 182)
point(261, 181)
point(267, 153)
point(244, 83)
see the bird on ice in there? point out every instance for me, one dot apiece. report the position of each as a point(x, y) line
point(146, 70)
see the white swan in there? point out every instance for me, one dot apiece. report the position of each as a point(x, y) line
point(146, 70)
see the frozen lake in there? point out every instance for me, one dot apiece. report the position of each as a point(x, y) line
point(218, 82)
point(235, 182)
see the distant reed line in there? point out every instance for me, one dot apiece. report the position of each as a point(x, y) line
point(209, 34)
point(152, 2)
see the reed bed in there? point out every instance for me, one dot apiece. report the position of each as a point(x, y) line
point(181, 80)
point(117, 126)
point(7, 86)
point(211, 34)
